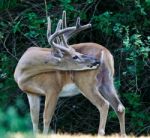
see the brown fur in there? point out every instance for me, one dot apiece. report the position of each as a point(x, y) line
point(96, 85)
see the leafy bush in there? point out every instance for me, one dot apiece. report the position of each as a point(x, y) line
point(11, 121)
point(122, 26)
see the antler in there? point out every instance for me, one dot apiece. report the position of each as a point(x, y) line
point(76, 29)
point(58, 40)
point(56, 50)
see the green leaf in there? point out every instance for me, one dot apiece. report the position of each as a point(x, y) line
point(65, 1)
point(31, 34)
point(89, 1)
point(16, 27)
point(147, 2)
point(1, 35)
point(104, 23)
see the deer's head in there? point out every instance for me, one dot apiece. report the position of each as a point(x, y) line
point(59, 42)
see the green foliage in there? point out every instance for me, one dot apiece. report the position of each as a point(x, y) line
point(103, 22)
point(134, 102)
point(122, 26)
point(11, 121)
point(6, 4)
point(7, 83)
point(35, 25)
point(66, 5)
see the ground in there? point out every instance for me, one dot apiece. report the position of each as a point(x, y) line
point(23, 135)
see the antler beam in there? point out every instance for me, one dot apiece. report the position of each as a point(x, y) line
point(58, 40)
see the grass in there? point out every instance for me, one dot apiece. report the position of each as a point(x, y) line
point(29, 135)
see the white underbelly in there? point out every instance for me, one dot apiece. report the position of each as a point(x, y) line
point(69, 90)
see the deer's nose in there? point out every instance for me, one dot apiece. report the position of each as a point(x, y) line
point(96, 63)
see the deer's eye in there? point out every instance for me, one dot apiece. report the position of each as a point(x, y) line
point(75, 57)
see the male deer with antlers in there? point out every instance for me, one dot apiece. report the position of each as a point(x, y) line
point(46, 71)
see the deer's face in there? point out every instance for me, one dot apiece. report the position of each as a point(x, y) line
point(82, 62)
point(58, 41)
point(87, 60)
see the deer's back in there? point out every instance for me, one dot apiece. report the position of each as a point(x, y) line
point(61, 78)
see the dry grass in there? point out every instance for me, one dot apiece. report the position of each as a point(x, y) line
point(20, 135)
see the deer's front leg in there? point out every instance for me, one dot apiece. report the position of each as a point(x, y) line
point(102, 105)
point(50, 104)
point(34, 103)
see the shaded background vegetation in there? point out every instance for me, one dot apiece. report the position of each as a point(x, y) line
point(123, 26)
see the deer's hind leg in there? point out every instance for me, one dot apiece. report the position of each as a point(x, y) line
point(107, 89)
point(34, 103)
point(89, 90)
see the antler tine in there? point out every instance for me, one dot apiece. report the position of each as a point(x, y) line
point(78, 25)
point(58, 40)
point(70, 30)
point(48, 27)
point(59, 25)
point(75, 30)
point(58, 28)
point(78, 28)
point(64, 41)
point(64, 24)
point(56, 37)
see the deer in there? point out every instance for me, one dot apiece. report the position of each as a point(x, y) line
point(88, 66)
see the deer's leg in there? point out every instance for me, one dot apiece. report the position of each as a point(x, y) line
point(34, 103)
point(50, 104)
point(109, 93)
point(91, 93)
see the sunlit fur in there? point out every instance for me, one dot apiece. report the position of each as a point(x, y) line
point(97, 85)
